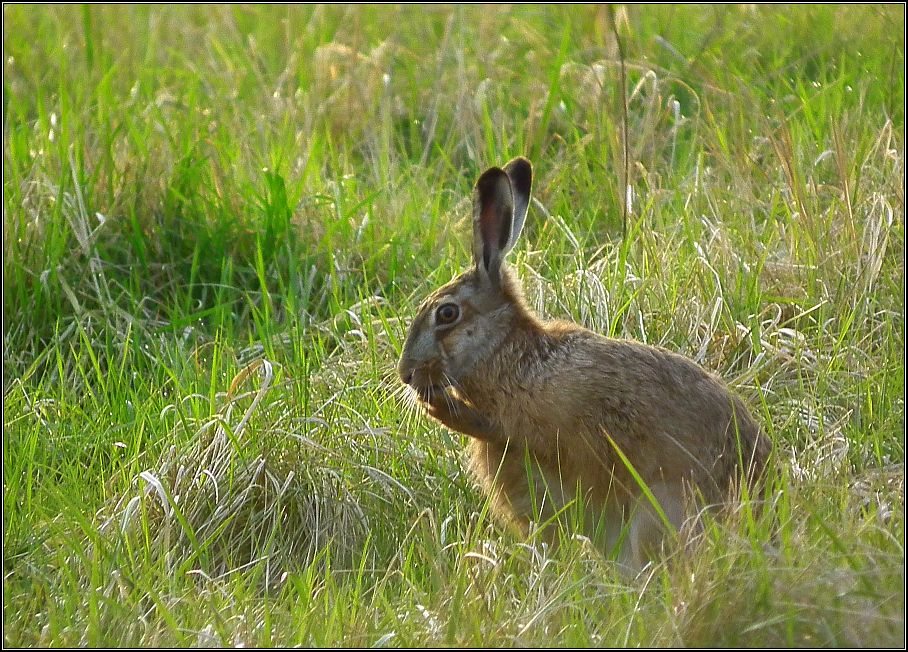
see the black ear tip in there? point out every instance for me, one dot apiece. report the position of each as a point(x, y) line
point(489, 180)
point(520, 170)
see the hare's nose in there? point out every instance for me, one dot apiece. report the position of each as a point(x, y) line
point(406, 370)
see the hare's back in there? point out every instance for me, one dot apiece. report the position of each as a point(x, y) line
point(664, 409)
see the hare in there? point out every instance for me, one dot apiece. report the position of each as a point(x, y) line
point(643, 437)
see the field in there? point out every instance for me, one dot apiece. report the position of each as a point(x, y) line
point(218, 222)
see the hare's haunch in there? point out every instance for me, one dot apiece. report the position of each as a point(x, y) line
point(556, 412)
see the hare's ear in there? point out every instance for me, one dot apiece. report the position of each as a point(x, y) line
point(493, 214)
point(520, 173)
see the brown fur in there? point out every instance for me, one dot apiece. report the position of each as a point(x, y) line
point(546, 404)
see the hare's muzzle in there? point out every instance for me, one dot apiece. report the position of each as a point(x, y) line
point(420, 377)
point(406, 370)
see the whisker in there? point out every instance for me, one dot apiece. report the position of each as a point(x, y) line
point(452, 406)
point(460, 390)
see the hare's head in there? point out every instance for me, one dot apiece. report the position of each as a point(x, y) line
point(463, 322)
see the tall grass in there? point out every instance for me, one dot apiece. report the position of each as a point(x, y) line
point(218, 221)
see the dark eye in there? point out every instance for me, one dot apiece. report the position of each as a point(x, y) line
point(447, 313)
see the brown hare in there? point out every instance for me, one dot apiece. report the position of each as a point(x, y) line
point(642, 436)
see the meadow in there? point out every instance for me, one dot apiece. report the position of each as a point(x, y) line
point(218, 221)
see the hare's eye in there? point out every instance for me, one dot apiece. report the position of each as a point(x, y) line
point(447, 313)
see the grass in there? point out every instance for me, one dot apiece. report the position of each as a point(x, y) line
point(218, 221)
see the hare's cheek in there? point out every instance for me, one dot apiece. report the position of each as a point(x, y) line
point(452, 351)
point(457, 353)
point(447, 346)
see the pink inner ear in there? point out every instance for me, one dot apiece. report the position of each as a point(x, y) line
point(492, 218)
point(490, 227)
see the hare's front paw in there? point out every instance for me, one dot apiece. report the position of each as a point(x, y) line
point(458, 415)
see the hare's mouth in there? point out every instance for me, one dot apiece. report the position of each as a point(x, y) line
point(428, 392)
